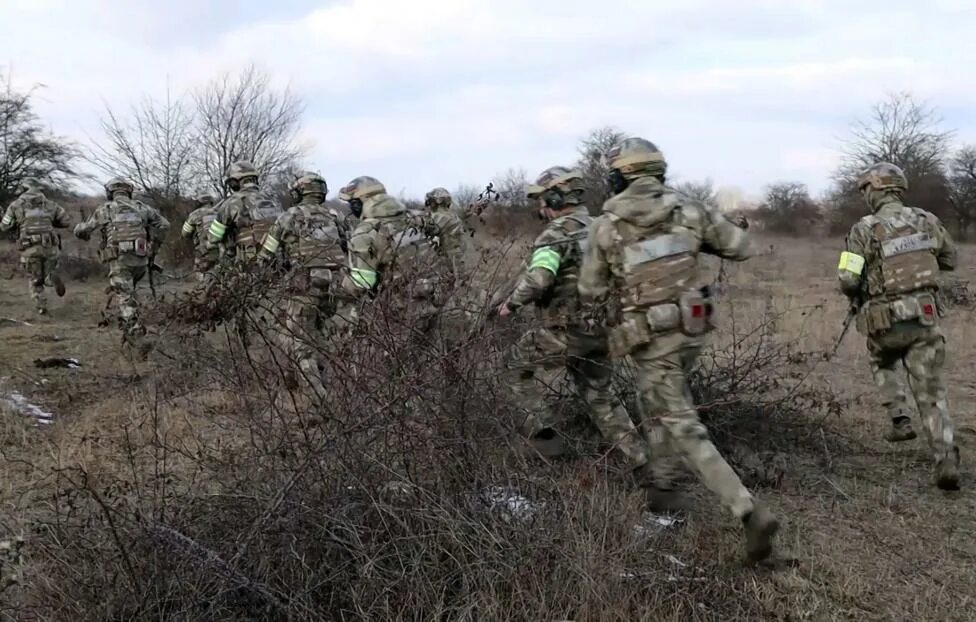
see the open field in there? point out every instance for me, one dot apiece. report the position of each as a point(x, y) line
point(135, 446)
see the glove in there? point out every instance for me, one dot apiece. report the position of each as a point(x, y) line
point(81, 233)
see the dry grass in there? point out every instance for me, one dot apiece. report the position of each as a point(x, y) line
point(197, 486)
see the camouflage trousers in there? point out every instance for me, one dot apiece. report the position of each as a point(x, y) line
point(921, 351)
point(122, 280)
point(671, 425)
point(540, 360)
point(40, 269)
point(312, 325)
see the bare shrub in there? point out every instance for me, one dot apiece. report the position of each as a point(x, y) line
point(225, 491)
point(788, 209)
point(592, 149)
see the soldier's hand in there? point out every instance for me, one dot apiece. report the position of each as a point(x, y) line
point(504, 310)
point(80, 233)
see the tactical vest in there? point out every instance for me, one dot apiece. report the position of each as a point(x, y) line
point(37, 228)
point(260, 212)
point(126, 230)
point(319, 244)
point(409, 253)
point(656, 270)
point(203, 229)
point(906, 253)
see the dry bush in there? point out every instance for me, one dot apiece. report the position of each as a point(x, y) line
point(224, 490)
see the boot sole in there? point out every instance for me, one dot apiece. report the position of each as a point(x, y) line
point(767, 534)
point(948, 482)
point(902, 439)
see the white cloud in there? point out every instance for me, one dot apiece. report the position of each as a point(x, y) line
point(445, 91)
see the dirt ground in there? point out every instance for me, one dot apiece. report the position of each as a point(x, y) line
point(866, 535)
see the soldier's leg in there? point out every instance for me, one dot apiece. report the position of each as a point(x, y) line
point(302, 337)
point(592, 372)
point(52, 274)
point(537, 364)
point(34, 267)
point(662, 381)
point(925, 361)
point(122, 280)
point(885, 363)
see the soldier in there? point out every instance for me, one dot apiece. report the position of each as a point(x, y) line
point(388, 241)
point(310, 241)
point(131, 233)
point(639, 271)
point(890, 273)
point(197, 228)
point(452, 241)
point(543, 355)
point(245, 216)
point(36, 217)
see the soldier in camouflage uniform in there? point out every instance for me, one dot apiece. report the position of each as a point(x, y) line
point(562, 344)
point(890, 272)
point(639, 272)
point(243, 218)
point(131, 231)
point(390, 241)
point(197, 228)
point(452, 240)
point(36, 217)
point(311, 243)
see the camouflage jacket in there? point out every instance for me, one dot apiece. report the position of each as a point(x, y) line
point(549, 279)
point(196, 227)
point(35, 217)
point(388, 241)
point(642, 253)
point(309, 235)
point(243, 219)
point(893, 252)
point(452, 236)
point(151, 224)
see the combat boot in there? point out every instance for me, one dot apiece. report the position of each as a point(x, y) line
point(665, 500)
point(547, 443)
point(901, 430)
point(761, 527)
point(947, 470)
point(58, 285)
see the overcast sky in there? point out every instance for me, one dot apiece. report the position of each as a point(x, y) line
point(422, 93)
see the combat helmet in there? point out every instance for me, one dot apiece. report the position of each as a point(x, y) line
point(118, 184)
point(240, 172)
point(883, 176)
point(636, 157)
point(204, 198)
point(438, 197)
point(359, 189)
point(27, 184)
point(561, 186)
point(308, 183)
point(533, 192)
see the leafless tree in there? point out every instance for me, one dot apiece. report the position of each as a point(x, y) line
point(787, 208)
point(962, 188)
point(900, 130)
point(702, 191)
point(244, 117)
point(154, 147)
point(27, 149)
point(592, 148)
point(465, 195)
point(511, 187)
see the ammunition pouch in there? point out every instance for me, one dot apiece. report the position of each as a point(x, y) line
point(692, 315)
point(41, 239)
point(879, 316)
